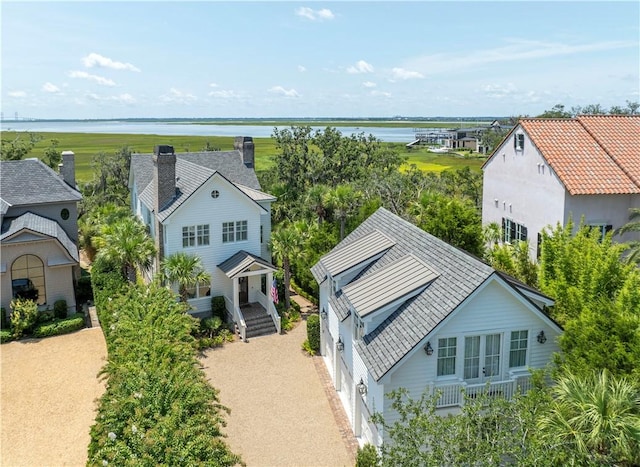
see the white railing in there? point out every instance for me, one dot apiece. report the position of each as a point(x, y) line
point(452, 394)
point(271, 310)
point(237, 317)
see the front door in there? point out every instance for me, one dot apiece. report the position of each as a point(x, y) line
point(481, 358)
point(243, 292)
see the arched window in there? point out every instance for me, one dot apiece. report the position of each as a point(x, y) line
point(27, 279)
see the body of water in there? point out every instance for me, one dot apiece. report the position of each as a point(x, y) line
point(394, 135)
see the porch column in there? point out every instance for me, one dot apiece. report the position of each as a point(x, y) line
point(269, 284)
point(236, 300)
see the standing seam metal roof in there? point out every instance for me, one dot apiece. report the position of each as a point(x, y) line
point(241, 261)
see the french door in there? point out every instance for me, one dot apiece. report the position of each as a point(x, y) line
point(482, 358)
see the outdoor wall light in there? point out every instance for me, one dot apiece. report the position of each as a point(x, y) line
point(541, 337)
point(323, 314)
point(340, 345)
point(362, 388)
point(428, 349)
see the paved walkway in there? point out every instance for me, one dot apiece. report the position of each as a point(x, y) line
point(280, 412)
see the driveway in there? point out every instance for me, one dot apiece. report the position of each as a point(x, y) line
point(280, 413)
point(48, 398)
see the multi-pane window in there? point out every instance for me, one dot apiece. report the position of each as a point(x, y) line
point(518, 352)
point(358, 327)
point(492, 355)
point(471, 357)
point(193, 235)
point(512, 231)
point(203, 234)
point(603, 228)
point(234, 231)
point(447, 356)
point(202, 289)
point(518, 142)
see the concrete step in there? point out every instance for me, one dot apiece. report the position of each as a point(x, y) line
point(260, 325)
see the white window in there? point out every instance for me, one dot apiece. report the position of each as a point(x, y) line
point(193, 235)
point(358, 327)
point(512, 231)
point(492, 355)
point(518, 351)
point(234, 231)
point(447, 356)
point(202, 289)
point(471, 357)
point(603, 228)
point(518, 142)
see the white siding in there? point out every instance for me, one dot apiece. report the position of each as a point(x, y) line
point(602, 209)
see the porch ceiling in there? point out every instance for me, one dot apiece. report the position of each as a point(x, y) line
point(241, 261)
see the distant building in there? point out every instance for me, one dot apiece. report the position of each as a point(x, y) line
point(548, 170)
point(39, 236)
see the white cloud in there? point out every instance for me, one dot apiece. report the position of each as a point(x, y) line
point(301, 69)
point(315, 15)
point(177, 96)
point(401, 73)
point(213, 85)
point(380, 93)
point(94, 59)
point(121, 98)
point(50, 87)
point(360, 67)
point(17, 94)
point(369, 84)
point(124, 98)
point(98, 79)
point(223, 94)
point(284, 92)
point(499, 91)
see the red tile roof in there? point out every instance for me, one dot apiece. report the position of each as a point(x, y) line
point(591, 154)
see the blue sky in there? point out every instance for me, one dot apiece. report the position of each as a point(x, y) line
point(315, 59)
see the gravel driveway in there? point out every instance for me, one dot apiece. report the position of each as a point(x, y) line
point(48, 398)
point(280, 415)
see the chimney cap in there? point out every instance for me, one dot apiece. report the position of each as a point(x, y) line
point(163, 149)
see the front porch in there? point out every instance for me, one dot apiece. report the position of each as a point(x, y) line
point(452, 393)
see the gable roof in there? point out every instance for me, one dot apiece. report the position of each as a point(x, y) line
point(459, 274)
point(591, 154)
point(30, 181)
point(34, 223)
point(241, 261)
point(190, 176)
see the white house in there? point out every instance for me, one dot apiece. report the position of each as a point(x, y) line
point(39, 237)
point(209, 204)
point(403, 309)
point(548, 170)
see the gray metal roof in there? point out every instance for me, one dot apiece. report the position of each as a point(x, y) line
point(241, 261)
point(459, 274)
point(41, 225)
point(344, 257)
point(389, 284)
point(255, 195)
point(29, 181)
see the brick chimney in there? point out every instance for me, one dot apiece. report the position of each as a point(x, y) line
point(164, 180)
point(68, 168)
point(244, 144)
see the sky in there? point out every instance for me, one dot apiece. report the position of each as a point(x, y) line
point(144, 59)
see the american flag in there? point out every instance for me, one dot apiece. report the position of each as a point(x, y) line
point(274, 291)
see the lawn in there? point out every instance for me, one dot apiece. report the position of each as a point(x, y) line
point(86, 145)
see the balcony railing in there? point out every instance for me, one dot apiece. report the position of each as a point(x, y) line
point(452, 393)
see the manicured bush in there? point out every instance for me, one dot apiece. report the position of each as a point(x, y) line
point(3, 317)
point(58, 327)
point(24, 314)
point(5, 336)
point(45, 317)
point(60, 309)
point(313, 332)
point(84, 291)
point(367, 456)
point(218, 308)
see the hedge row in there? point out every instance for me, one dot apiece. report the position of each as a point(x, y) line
point(63, 326)
point(158, 408)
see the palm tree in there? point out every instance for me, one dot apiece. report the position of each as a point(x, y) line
point(127, 244)
point(316, 199)
point(632, 226)
point(91, 224)
point(598, 416)
point(343, 200)
point(185, 270)
point(285, 244)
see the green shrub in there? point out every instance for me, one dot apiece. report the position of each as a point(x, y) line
point(3, 317)
point(210, 326)
point(60, 309)
point(218, 308)
point(313, 332)
point(5, 336)
point(45, 317)
point(84, 291)
point(24, 314)
point(295, 305)
point(58, 327)
point(367, 456)
point(307, 348)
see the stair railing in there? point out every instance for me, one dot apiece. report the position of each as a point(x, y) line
point(238, 317)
